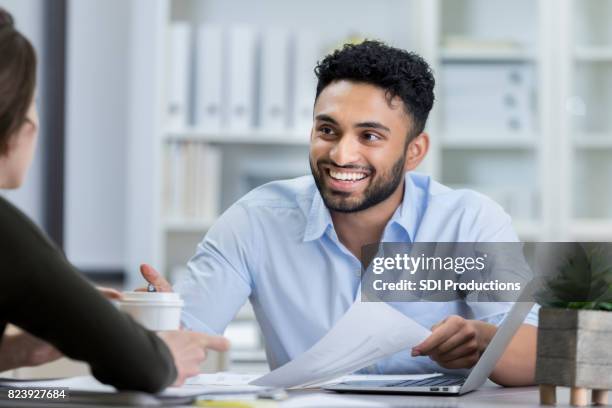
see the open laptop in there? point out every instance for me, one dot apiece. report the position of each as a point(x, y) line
point(448, 384)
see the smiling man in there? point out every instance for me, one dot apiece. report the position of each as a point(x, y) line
point(293, 247)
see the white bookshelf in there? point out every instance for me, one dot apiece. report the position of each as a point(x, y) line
point(471, 142)
point(552, 177)
point(507, 165)
point(255, 137)
point(586, 127)
point(591, 230)
point(593, 141)
point(485, 55)
point(593, 53)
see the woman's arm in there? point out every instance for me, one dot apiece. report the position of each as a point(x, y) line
point(24, 350)
point(43, 294)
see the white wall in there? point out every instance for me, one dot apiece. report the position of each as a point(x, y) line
point(28, 15)
point(144, 173)
point(96, 132)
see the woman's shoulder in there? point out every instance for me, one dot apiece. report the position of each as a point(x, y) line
point(11, 215)
point(16, 226)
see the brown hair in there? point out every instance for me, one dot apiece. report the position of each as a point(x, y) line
point(17, 78)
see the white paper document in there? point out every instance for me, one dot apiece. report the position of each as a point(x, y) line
point(223, 378)
point(366, 333)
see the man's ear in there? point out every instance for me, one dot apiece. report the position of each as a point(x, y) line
point(416, 151)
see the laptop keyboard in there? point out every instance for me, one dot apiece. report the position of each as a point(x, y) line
point(444, 380)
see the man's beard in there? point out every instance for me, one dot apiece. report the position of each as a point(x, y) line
point(376, 192)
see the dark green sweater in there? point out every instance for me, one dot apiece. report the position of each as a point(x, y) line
point(41, 292)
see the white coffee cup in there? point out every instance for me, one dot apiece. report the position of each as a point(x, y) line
point(154, 310)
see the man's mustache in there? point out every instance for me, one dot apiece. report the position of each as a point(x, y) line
point(322, 162)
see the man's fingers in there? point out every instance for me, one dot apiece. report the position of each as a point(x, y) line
point(455, 341)
point(155, 278)
point(431, 342)
point(455, 354)
point(435, 326)
point(437, 337)
point(110, 293)
point(464, 349)
point(464, 362)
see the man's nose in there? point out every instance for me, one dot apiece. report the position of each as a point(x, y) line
point(345, 151)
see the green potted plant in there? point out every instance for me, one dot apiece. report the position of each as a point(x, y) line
point(575, 324)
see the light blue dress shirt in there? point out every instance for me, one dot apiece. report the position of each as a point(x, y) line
point(277, 247)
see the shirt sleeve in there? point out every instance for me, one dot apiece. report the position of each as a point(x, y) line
point(493, 224)
point(219, 279)
point(496, 312)
point(41, 292)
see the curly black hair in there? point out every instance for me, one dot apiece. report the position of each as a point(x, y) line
point(400, 73)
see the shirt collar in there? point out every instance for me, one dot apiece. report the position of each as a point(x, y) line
point(318, 218)
point(406, 216)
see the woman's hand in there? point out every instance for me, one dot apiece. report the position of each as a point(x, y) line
point(25, 350)
point(189, 350)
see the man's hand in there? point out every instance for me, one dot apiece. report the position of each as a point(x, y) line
point(25, 350)
point(189, 350)
point(150, 275)
point(110, 293)
point(154, 278)
point(456, 342)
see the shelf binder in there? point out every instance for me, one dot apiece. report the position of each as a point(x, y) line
point(179, 61)
point(209, 78)
point(241, 78)
point(306, 53)
point(274, 71)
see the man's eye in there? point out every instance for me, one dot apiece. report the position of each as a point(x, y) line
point(371, 137)
point(326, 130)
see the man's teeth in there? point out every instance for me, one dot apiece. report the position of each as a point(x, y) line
point(346, 176)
